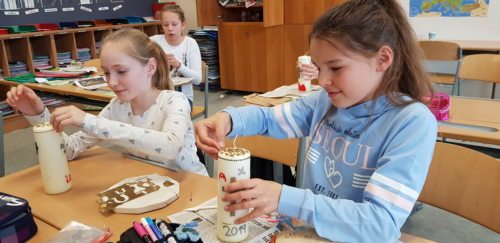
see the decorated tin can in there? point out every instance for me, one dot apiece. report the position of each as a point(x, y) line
point(233, 164)
point(52, 158)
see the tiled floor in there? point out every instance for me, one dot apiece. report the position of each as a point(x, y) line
point(430, 223)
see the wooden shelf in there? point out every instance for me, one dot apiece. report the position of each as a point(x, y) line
point(234, 5)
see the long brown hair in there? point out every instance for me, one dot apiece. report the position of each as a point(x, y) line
point(364, 26)
point(139, 46)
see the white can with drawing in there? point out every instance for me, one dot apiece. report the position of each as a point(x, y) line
point(304, 83)
point(233, 164)
point(52, 158)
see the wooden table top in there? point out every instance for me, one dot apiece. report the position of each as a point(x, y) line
point(69, 89)
point(93, 172)
point(478, 45)
point(483, 113)
point(45, 232)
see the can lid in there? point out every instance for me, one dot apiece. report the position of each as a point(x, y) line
point(43, 127)
point(234, 154)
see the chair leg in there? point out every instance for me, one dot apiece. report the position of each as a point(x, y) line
point(493, 91)
point(2, 159)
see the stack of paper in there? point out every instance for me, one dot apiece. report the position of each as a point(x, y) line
point(207, 41)
point(83, 54)
point(5, 108)
point(260, 230)
point(291, 91)
point(41, 62)
point(18, 68)
point(64, 57)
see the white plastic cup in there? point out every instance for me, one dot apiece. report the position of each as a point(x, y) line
point(52, 158)
point(304, 84)
point(233, 164)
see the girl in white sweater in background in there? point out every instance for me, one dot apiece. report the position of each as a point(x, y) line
point(182, 51)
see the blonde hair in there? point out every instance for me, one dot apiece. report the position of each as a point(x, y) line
point(364, 26)
point(174, 9)
point(142, 49)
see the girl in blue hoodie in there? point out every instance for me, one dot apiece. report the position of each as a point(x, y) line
point(371, 136)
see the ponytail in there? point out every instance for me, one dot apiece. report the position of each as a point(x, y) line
point(161, 78)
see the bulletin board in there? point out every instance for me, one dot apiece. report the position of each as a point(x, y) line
point(18, 12)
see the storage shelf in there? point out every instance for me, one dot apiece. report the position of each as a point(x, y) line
point(23, 47)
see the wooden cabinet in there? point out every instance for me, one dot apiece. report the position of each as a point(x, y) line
point(266, 58)
point(306, 11)
point(251, 59)
point(261, 56)
point(234, 56)
point(296, 44)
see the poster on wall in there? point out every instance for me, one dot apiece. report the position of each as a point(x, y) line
point(449, 8)
point(35, 11)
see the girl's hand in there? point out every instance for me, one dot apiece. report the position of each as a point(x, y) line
point(263, 196)
point(211, 132)
point(308, 71)
point(172, 61)
point(25, 100)
point(68, 115)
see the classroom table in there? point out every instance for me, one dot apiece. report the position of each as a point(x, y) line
point(45, 232)
point(477, 45)
point(94, 171)
point(472, 120)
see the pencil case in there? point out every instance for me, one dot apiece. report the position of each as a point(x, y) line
point(16, 221)
point(440, 106)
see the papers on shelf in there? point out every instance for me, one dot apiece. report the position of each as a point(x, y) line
point(260, 229)
point(91, 83)
point(290, 91)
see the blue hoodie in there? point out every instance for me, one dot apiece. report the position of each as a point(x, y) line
point(365, 165)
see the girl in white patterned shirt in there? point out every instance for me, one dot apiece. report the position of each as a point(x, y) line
point(147, 118)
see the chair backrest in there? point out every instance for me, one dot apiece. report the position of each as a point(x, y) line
point(204, 81)
point(440, 50)
point(464, 182)
point(482, 67)
point(442, 60)
point(2, 158)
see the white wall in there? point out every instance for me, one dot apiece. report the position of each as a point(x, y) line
point(459, 28)
point(189, 7)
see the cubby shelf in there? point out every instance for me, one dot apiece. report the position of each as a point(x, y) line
point(24, 46)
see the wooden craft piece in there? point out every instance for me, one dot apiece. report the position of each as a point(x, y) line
point(140, 194)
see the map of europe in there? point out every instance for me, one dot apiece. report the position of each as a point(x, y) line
point(449, 8)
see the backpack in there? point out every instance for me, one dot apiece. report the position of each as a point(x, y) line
point(16, 221)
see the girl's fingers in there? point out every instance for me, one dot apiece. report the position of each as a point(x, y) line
point(202, 138)
point(57, 117)
point(241, 185)
point(257, 212)
point(244, 204)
